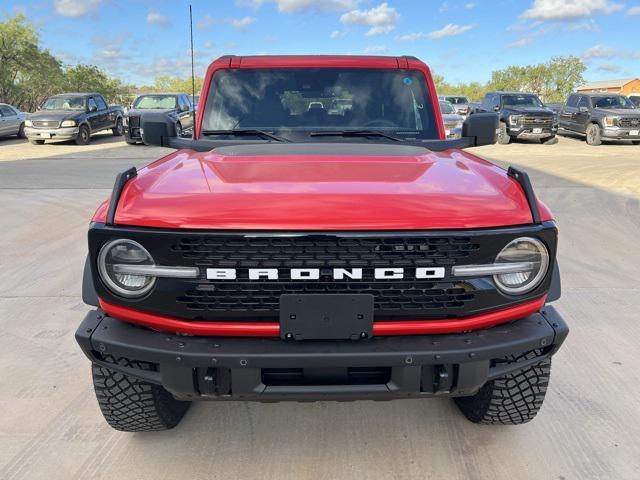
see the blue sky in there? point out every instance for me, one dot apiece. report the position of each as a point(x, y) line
point(464, 40)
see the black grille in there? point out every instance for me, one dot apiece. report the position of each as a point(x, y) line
point(537, 121)
point(629, 122)
point(134, 121)
point(295, 252)
point(391, 298)
point(46, 124)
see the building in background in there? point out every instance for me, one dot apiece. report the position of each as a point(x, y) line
point(625, 86)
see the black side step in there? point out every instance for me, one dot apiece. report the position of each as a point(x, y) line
point(121, 181)
point(522, 178)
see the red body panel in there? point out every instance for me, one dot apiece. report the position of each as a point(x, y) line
point(434, 191)
point(380, 328)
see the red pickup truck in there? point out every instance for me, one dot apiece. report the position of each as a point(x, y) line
point(320, 239)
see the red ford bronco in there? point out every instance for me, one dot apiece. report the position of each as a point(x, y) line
point(320, 239)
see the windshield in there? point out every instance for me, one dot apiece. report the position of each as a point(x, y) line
point(64, 103)
point(153, 102)
point(457, 100)
point(521, 101)
point(446, 107)
point(612, 102)
point(635, 100)
point(308, 100)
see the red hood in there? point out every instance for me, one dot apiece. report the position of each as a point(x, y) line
point(292, 187)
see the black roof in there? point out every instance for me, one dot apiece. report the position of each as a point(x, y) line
point(76, 94)
point(500, 92)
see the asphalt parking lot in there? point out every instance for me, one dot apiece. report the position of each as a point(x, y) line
point(51, 427)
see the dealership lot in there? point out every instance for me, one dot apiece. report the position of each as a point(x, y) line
point(588, 427)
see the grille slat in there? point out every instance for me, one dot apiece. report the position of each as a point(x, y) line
point(536, 121)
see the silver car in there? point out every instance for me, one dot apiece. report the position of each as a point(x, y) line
point(459, 102)
point(452, 121)
point(11, 121)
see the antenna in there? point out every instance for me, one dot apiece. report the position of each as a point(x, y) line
point(193, 78)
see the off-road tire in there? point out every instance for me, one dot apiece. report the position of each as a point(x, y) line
point(511, 400)
point(84, 135)
point(594, 136)
point(503, 136)
point(21, 133)
point(552, 140)
point(36, 142)
point(118, 130)
point(132, 405)
point(179, 130)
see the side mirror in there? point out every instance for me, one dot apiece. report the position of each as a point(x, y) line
point(583, 109)
point(157, 128)
point(93, 108)
point(184, 108)
point(496, 108)
point(483, 127)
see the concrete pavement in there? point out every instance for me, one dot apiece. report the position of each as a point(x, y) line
point(51, 427)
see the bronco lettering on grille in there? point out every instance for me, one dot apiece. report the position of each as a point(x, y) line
point(337, 273)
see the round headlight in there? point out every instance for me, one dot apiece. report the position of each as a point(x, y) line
point(534, 257)
point(121, 252)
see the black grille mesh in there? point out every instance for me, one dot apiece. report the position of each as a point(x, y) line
point(629, 122)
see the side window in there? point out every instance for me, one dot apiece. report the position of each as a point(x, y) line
point(92, 104)
point(583, 102)
point(495, 101)
point(181, 102)
point(101, 103)
point(572, 101)
point(6, 111)
point(487, 100)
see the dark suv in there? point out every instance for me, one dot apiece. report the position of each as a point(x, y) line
point(522, 115)
point(600, 117)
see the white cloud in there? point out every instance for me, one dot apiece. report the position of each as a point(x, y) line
point(470, 5)
point(242, 23)
point(207, 21)
point(155, 18)
point(609, 68)
point(208, 45)
point(450, 30)
point(338, 34)
point(634, 11)
point(444, 7)
point(75, 8)
point(411, 37)
point(293, 6)
point(604, 51)
point(522, 41)
point(586, 26)
point(376, 49)
point(569, 9)
point(382, 19)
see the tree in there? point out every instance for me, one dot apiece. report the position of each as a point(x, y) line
point(89, 78)
point(176, 84)
point(29, 74)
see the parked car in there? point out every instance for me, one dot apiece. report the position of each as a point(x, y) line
point(522, 115)
point(452, 120)
point(459, 102)
point(11, 121)
point(177, 105)
point(73, 116)
point(601, 117)
point(286, 253)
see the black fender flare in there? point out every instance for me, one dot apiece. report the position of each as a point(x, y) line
point(89, 295)
point(555, 290)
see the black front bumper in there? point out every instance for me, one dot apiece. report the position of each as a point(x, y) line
point(270, 369)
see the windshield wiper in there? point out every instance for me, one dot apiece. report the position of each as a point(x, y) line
point(354, 133)
point(246, 131)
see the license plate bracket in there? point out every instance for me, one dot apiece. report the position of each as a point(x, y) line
point(326, 316)
point(45, 135)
